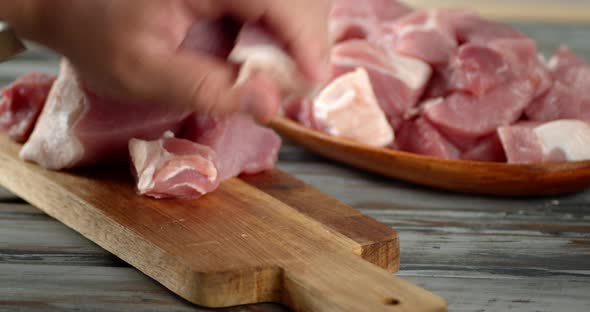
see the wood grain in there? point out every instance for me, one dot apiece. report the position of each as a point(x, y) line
point(238, 245)
point(453, 175)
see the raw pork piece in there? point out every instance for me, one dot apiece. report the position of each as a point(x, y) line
point(348, 108)
point(479, 68)
point(353, 19)
point(487, 149)
point(78, 128)
point(171, 167)
point(472, 28)
point(241, 145)
point(569, 97)
point(427, 35)
point(21, 103)
point(556, 141)
point(419, 136)
point(300, 110)
point(465, 118)
point(259, 52)
point(398, 81)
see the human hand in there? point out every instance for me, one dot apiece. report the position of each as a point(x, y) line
point(131, 49)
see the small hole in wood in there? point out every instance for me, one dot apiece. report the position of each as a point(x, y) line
point(391, 301)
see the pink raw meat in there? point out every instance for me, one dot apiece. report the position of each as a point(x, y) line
point(348, 108)
point(300, 110)
point(487, 149)
point(463, 117)
point(421, 137)
point(398, 81)
point(438, 86)
point(569, 97)
point(479, 68)
point(427, 35)
point(21, 103)
point(472, 28)
point(171, 167)
point(77, 128)
point(556, 141)
point(241, 145)
point(388, 10)
point(353, 19)
point(476, 69)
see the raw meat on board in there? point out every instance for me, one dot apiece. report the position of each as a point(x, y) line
point(172, 167)
point(21, 103)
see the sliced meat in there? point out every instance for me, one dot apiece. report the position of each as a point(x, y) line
point(241, 145)
point(463, 117)
point(353, 19)
point(427, 35)
point(419, 136)
point(78, 128)
point(473, 28)
point(479, 68)
point(487, 149)
point(171, 167)
point(476, 69)
point(21, 103)
point(569, 97)
point(348, 108)
point(258, 52)
point(556, 141)
point(398, 81)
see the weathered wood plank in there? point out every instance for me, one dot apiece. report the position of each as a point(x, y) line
point(88, 288)
point(28, 236)
point(364, 190)
point(483, 292)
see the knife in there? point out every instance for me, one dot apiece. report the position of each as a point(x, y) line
point(10, 44)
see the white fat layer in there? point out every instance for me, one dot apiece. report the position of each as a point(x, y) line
point(211, 172)
point(190, 185)
point(428, 26)
point(412, 72)
point(572, 137)
point(553, 63)
point(53, 144)
point(345, 106)
point(148, 156)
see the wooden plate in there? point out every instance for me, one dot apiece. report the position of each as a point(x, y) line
point(453, 175)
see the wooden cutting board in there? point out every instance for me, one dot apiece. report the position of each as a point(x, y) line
point(265, 238)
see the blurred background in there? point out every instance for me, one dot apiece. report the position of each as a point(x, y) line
point(535, 10)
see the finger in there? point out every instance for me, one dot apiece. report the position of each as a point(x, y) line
point(192, 81)
point(207, 85)
point(262, 98)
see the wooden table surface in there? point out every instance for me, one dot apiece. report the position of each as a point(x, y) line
point(480, 253)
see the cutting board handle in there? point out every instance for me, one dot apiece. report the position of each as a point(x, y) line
point(350, 284)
